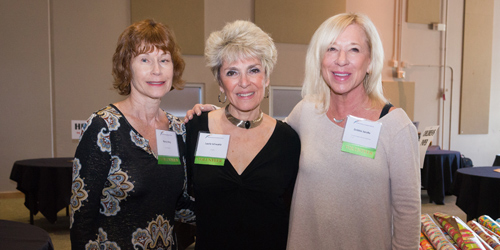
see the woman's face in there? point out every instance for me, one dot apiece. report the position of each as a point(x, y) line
point(346, 61)
point(244, 83)
point(152, 74)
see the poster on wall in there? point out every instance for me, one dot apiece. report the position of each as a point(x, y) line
point(76, 128)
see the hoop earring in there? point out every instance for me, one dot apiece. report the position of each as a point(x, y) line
point(266, 91)
point(225, 98)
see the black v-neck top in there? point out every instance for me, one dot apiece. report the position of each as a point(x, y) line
point(247, 211)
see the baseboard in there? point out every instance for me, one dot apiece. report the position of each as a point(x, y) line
point(11, 194)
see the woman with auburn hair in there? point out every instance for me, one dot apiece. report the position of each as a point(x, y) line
point(129, 173)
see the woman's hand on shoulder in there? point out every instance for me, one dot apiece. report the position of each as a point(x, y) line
point(197, 109)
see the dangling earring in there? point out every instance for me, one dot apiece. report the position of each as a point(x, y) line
point(366, 79)
point(266, 91)
point(225, 97)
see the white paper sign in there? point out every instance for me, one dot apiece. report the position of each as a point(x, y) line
point(76, 128)
point(424, 142)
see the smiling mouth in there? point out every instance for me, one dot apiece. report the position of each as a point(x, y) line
point(156, 83)
point(340, 74)
point(246, 94)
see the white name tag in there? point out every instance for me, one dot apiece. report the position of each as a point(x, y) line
point(211, 149)
point(168, 152)
point(361, 136)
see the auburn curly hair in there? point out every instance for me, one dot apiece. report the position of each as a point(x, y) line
point(144, 37)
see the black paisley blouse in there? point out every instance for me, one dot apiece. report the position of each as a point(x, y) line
point(121, 197)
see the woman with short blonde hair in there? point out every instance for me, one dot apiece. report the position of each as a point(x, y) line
point(243, 202)
point(240, 39)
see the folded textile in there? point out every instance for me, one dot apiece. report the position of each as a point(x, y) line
point(460, 232)
point(489, 223)
point(449, 238)
point(491, 232)
point(492, 241)
point(434, 234)
point(424, 243)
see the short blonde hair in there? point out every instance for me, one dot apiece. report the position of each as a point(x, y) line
point(314, 86)
point(240, 40)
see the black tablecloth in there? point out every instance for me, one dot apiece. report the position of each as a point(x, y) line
point(46, 183)
point(22, 236)
point(477, 189)
point(438, 171)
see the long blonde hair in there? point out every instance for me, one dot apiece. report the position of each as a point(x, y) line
point(315, 88)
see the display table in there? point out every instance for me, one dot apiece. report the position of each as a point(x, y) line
point(46, 184)
point(22, 236)
point(438, 171)
point(476, 189)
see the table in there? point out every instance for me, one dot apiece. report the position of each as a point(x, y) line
point(46, 183)
point(438, 171)
point(476, 189)
point(17, 236)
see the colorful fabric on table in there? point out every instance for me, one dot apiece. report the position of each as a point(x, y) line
point(489, 223)
point(449, 238)
point(460, 232)
point(491, 232)
point(424, 243)
point(492, 241)
point(434, 234)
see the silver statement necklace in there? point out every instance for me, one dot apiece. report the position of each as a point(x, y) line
point(243, 124)
point(338, 121)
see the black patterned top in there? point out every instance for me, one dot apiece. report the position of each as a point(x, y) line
point(247, 211)
point(121, 197)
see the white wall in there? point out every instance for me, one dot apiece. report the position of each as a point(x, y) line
point(56, 68)
point(84, 35)
point(25, 86)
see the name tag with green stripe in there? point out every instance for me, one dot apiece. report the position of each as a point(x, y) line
point(168, 152)
point(361, 136)
point(211, 149)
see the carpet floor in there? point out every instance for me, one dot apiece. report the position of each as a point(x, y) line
point(13, 209)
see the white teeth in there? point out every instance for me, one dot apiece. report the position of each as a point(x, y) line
point(338, 74)
point(245, 95)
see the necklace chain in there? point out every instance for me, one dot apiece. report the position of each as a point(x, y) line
point(243, 124)
point(338, 121)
